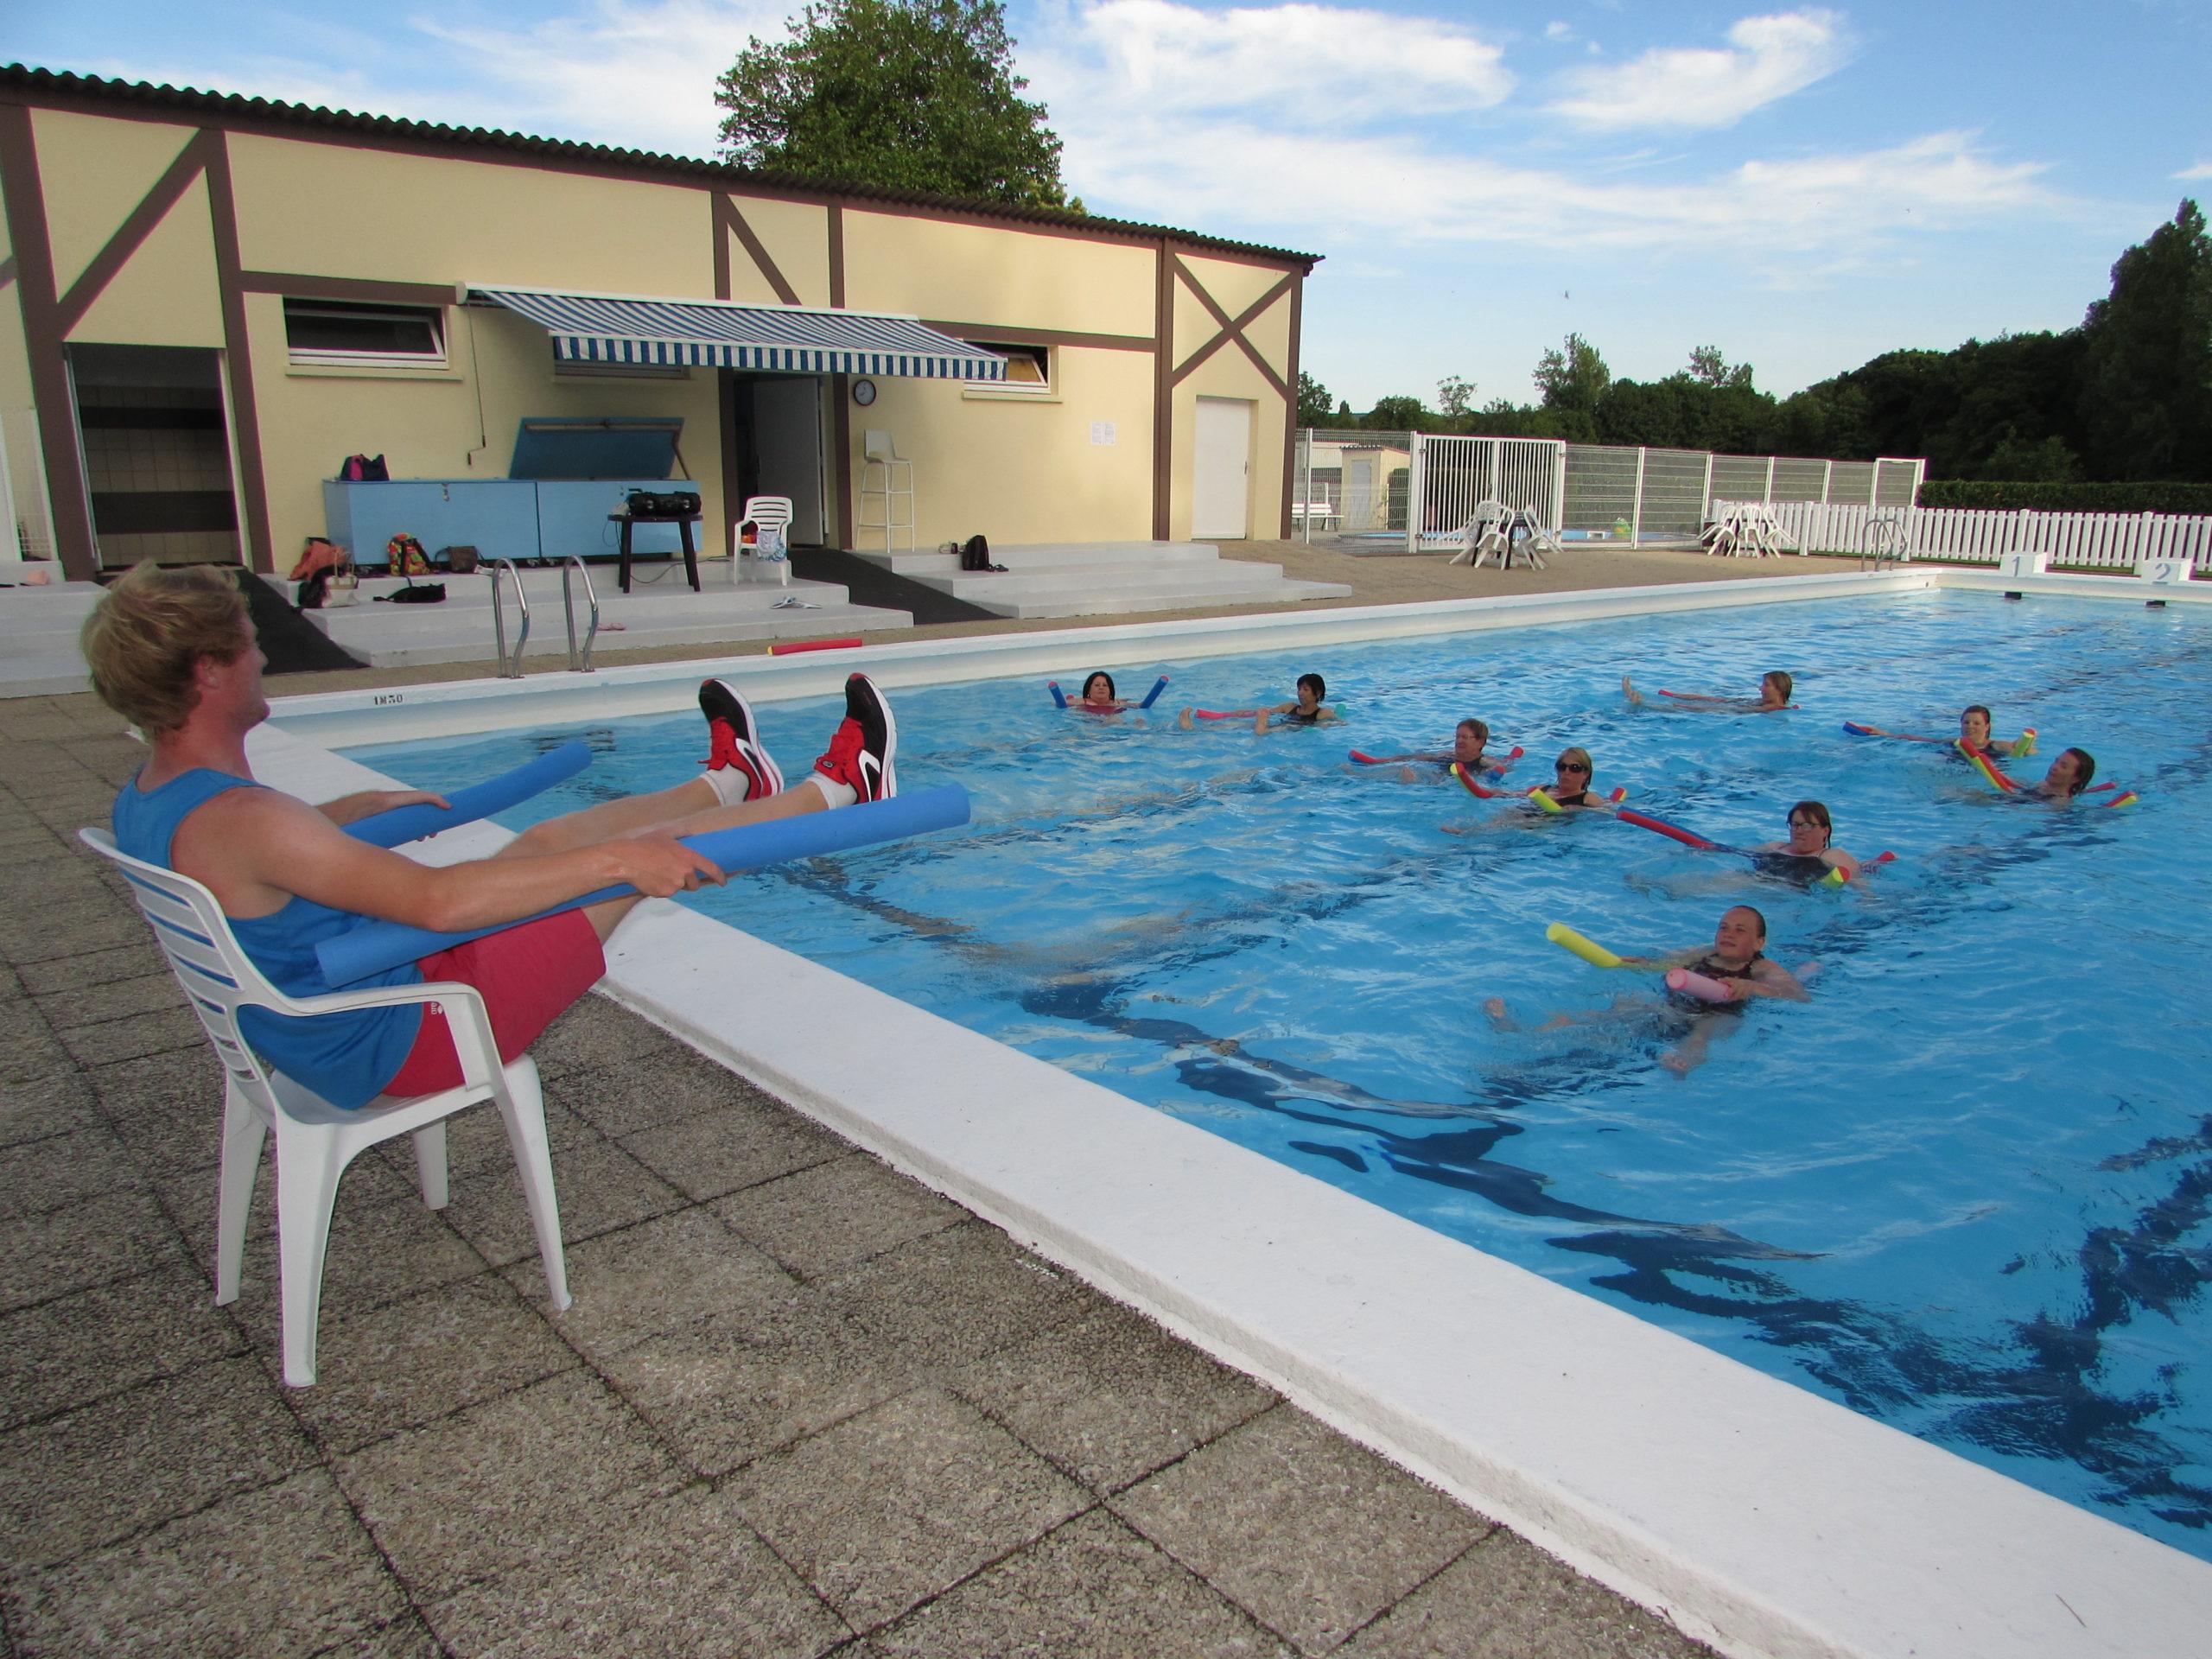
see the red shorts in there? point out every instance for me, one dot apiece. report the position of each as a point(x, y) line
point(528, 975)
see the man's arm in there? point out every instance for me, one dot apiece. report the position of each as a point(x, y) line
point(367, 804)
point(257, 848)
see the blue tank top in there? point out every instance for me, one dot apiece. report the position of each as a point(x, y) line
point(346, 1058)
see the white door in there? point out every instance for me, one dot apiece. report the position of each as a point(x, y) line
point(1359, 492)
point(1220, 470)
point(787, 439)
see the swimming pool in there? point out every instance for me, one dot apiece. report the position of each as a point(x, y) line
point(1962, 1190)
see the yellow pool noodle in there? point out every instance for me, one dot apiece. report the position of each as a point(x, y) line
point(1545, 801)
point(1568, 939)
point(2025, 743)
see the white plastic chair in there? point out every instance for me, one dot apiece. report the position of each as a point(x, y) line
point(315, 1141)
point(765, 513)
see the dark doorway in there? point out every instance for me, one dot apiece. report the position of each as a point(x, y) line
point(157, 454)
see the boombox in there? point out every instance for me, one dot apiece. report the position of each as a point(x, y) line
point(646, 503)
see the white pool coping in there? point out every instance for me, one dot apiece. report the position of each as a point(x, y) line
point(1758, 1516)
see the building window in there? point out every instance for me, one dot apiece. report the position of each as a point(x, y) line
point(1028, 368)
point(338, 333)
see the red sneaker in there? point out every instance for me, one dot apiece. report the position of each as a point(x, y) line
point(731, 742)
point(862, 751)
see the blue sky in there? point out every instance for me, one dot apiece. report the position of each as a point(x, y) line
point(1804, 187)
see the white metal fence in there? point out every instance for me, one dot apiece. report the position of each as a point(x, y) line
point(1424, 487)
point(26, 522)
point(2090, 539)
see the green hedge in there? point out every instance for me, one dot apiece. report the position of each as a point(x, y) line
point(2067, 497)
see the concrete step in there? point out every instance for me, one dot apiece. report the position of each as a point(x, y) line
point(1051, 557)
point(1126, 602)
point(44, 672)
point(982, 590)
point(467, 638)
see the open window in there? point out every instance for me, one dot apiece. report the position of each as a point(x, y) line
point(1028, 368)
point(339, 333)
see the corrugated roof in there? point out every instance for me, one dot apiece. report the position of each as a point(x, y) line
point(239, 109)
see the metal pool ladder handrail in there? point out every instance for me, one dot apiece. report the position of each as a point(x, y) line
point(568, 604)
point(500, 622)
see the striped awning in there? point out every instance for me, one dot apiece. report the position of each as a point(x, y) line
point(714, 334)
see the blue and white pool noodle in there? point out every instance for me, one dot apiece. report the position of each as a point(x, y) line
point(380, 945)
point(405, 823)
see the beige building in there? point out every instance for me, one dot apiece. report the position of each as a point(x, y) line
point(209, 300)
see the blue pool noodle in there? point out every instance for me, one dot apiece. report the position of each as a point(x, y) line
point(1060, 698)
point(405, 823)
point(353, 956)
point(1152, 695)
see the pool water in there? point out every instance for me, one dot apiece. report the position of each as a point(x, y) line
point(1963, 1189)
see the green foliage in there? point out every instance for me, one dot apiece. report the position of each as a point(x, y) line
point(1573, 377)
point(2188, 497)
point(1315, 407)
point(1399, 414)
point(1708, 368)
point(1455, 398)
point(2147, 374)
point(898, 94)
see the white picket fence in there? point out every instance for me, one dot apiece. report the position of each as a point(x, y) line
point(2119, 540)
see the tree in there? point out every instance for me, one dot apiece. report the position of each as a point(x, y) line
point(1314, 405)
point(2147, 379)
point(1708, 368)
point(1455, 397)
point(1398, 415)
point(900, 94)
point(1572, 378)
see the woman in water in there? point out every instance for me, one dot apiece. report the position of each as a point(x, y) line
point(1098, 696)
point(1470, 751)
point(1308, 710)
point(1573, 774)
point(1774, 693)
point(1811, 844)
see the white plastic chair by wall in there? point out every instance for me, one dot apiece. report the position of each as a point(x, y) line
point(770, 559)
point(315, 1141)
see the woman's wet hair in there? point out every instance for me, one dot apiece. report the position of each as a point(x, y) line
point(1092, 678)
point(1780, 681)
point(1320, 686)
point(1819, 814)
point(2085, 768)
point(1480, 728)
point(1576, 751)
point(1980, 708)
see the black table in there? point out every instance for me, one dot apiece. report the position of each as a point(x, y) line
point(682, 521)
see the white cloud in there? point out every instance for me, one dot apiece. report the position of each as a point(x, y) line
point(1767, 58)
point(1142, 58)
point(636, 72)
point(1559, 31)
point(2201, 170)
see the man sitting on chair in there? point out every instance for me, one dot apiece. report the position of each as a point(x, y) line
point(173, 651)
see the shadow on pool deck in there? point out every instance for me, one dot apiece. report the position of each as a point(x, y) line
point(801, 1406)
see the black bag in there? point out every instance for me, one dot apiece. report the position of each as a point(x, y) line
point(314, 590)
point(976, 555)
point(430, 592)
point(647, 504)
point(363, 469)
point(461, 561)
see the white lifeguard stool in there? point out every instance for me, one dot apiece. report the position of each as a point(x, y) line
point(886, 480)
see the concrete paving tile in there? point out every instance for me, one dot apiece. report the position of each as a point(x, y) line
point(657, 1088)
point(1311, 1534)
point(1507, 1599)
point(54, 1104)
point(671, 1271)
point(824, 1219)
point(36, 1176)
point(84, 1480)
point(752, 1380)
point(957, 1295)
point(596, 1034)
point(476, 1142)
point(1110, 1397)
point(118, 1235)
point(156, 1033)
point(93, 926)
point(599, 1187)
point(93, 967)
point(380, 1370)
point(76, 1349)
point(521, 1477)
point(684, 1578)
point(122, 999)
point(901, 1502)
point(740, 1146)
point(177, 1084)
point(405, 1638)
point(1088, 1590)
point(28, 1048)
point(284, 1570)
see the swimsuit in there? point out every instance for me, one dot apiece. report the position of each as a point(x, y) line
point(1710, 967)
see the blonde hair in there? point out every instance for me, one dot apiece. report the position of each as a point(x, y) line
point(152, 629)
point(1576, 751)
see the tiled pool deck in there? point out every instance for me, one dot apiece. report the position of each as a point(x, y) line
point(802, 1405)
